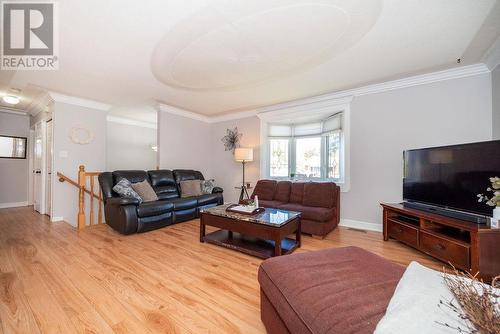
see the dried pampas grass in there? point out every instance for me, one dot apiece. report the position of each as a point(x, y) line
point(476, 304)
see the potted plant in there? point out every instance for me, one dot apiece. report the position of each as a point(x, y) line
point(494, 198)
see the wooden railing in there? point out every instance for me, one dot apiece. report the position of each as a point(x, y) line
point(86, 185)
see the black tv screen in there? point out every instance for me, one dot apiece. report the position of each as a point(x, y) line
point(451, 176)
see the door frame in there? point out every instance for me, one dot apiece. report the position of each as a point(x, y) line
point(47, 171)
point(43, 169)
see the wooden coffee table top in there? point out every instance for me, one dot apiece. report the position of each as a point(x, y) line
point(263, 235)
point(271, 216)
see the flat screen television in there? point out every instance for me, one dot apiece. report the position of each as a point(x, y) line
point(449, 178)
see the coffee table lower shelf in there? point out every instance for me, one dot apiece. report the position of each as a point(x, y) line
point(249, 245)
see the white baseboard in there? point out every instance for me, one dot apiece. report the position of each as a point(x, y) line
point(56, 219)
point(360, 225)
point(13, 205)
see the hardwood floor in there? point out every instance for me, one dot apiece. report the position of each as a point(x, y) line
point(56, 280)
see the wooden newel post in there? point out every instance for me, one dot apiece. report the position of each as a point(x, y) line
point(81, 197)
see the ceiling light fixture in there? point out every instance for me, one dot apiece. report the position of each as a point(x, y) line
point(11, 99)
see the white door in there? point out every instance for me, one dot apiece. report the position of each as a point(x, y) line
point(37, 168)
point(48, 182)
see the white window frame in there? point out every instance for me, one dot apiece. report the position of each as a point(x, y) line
point(321, 108)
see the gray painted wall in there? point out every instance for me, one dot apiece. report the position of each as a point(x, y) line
point(184, 143)
point(68, 155)
point(14, 172)
point(383, 125)
point(495, 88)
point(129, 147)
point(226, 171)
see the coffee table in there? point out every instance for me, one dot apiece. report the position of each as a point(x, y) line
point(262, 235)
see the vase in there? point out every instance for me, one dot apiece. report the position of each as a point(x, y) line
point(496, 212)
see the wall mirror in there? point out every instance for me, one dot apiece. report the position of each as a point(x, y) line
point(13, 147)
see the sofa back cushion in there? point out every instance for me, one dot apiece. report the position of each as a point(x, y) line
point(163, 183)
point(265, 189)
point(282, 193)
point(187, 175)
point(320, 194)
point(133, 176)
point(297, 192)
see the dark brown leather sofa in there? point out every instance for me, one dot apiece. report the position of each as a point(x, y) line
point(342, 290)
point(127, 216)
point(319, 202)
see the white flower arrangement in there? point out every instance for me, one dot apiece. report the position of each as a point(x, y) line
point(494, 200)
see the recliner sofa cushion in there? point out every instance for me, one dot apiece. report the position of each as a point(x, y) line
point(184, 203)
point(163, 182)
point(190, 188)
point(297, 192)
point(319, 194)
point(282, 192)
point(186, 175)
point(310, 213)
point(207, 199)
point(155, 208)
point(133, 176)
point(269, 204)
point(265, 189)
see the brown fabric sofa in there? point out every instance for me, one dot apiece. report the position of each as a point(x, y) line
point(319, 202)
point(342, 290)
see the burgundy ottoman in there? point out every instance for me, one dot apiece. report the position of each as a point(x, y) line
point(339, 290)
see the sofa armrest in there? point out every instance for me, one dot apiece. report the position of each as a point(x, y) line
point(123, 201)
point(217, 190)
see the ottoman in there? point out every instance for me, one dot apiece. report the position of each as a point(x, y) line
point(340, 290)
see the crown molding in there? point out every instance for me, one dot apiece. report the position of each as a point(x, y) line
point(492, 57)
point(340, 98)
point(184, 113)
point(39, 104)
point(128, 121)
point(233, 116)
point(13, 111)
point(77, 101)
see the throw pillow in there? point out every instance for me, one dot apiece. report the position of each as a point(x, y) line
point(124, 189)
point(207, 186)
point(414, 309)
point(190, 188)
point(145, 190)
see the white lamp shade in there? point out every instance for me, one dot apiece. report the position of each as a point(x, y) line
point(243, 154)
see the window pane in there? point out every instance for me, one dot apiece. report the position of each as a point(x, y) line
point(334, 155)
point(308, 157)
point(279, 157)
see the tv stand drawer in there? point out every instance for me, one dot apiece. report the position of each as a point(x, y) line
point(456, 253)
point(403, 233)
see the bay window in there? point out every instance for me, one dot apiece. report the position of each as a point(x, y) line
point(309, 150)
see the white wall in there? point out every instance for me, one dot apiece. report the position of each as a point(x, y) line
point(227, 172)
point(129, 147)
point(495, 85)
point(14, 172)
point(92, 155)
point(184, 143)
point(384, 124)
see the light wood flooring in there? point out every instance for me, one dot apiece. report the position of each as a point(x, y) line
point(56, 280)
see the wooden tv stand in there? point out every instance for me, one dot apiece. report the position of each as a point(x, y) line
point(467, 246)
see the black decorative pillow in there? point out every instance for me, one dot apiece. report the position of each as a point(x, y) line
point(124, 189)
point(207, 186)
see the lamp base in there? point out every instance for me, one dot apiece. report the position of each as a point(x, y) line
point(243, 193)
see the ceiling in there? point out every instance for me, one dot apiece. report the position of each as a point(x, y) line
point(220, 56)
